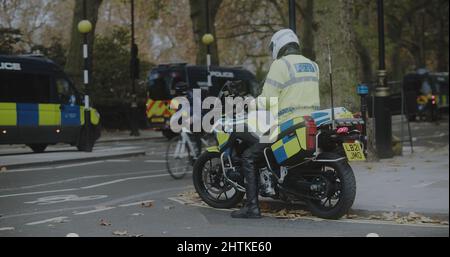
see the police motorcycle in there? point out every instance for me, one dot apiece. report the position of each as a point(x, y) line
point(308, 162)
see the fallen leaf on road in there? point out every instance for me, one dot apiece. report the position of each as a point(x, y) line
point(351, 216)
point(389, 216)
point(120, 233)
point(414, 215)
point(429, 220)
point(402, 220)
point(104, 223)
point(147, 204)
point(374, 217)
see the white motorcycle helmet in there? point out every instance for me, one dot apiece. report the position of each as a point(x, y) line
point(281, 39)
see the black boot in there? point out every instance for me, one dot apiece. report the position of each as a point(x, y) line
point(251, 209)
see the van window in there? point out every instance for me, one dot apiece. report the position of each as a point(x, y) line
point(158, 87)
point(24, 87)
point(66, 94)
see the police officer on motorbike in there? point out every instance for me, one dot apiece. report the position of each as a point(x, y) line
point(294, 80)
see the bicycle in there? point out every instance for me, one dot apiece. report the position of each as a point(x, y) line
point(182, 153)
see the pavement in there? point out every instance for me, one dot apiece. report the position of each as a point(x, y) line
point(416, 182)
point(118, 193)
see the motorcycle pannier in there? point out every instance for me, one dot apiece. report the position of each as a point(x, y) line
point(291, 145)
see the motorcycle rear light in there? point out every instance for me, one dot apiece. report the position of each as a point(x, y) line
point(342, 130)
point(311, 132)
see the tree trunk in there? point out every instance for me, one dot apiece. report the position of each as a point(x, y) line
point(198, 16)
point(335, 22)
point(442, 53)
point(75, 61)
point(307, 29)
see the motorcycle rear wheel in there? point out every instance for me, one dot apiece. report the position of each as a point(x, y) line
point(343, 184)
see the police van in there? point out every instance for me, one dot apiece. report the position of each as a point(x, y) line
point(163, 78)
point(428, 99)
point(40, 106)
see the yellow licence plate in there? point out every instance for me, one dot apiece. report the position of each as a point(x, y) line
point(354, 152)
point(158, 120)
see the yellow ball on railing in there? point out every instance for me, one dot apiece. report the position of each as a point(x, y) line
point(84, 26)
point(208, 39)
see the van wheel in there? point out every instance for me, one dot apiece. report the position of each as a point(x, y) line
point(38, 148)
point(85, 145)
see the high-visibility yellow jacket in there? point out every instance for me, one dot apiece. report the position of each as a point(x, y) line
point(294, 80)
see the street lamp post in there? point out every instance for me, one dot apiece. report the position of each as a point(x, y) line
point(383, 118)
point(134, 70)
point(85, 27)
point(208, 39)
point(292, 16)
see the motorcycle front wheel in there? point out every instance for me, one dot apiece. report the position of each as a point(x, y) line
point(211, 185)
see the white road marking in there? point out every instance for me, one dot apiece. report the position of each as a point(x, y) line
point(135, 203)
point(89, 187)
point(55, 167)
point(7, 229)
point(31, 169)
point(53, 220)
point(83, 178)
point(155, 161)
point(40, 192)
point(125, 179)
point(109, 203)
point(65, 198)
point(79, 164)
point(118, 161)
point(94, 211)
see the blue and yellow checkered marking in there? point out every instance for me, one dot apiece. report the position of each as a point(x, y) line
point(290, 145)
point(27, 115)
point(35, 115)
point(8, 114)
point(71, 116)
